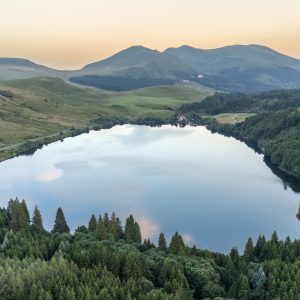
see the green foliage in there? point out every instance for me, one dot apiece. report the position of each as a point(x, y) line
point(36, 264)
point(249, 103)
point(249, 250)
point(162, 243)
point(132, 231)
point(37, 220)
point(60, 225)
point(19, 215)
point(93, 223)
point(177, 245)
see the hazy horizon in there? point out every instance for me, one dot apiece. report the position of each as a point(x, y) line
point(68, 34)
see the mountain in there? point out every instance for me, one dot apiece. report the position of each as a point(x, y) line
point(138, 61)
point(18, 68)
point(135, 67)
point(241, 67)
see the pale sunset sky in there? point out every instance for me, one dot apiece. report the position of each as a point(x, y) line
point(68, 34)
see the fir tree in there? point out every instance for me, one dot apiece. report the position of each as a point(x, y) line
point(243, 288)
point(18, 215)
point(93, 223)
point(106, 222)
point(24, 206)
point(259, 247)
point(162, 243)
point(274, 238)
point(249, 250)
point(37, 218)
point(101, 230)
point(115, 227)
point(177, 245)
point(60, 224)
point(132, 230)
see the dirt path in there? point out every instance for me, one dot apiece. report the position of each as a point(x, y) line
point(30, 140)
point(234, 119)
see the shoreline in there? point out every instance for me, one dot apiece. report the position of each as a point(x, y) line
point(292, 180)
point(32, 145)
point(29, 147)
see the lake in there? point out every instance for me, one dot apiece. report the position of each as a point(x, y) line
point(214, 190)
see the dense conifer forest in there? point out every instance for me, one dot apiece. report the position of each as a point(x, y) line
point(106, 260)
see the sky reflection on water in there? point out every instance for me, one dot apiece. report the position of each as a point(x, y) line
point(214, 190)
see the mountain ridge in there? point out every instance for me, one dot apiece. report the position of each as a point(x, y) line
point(246, 68)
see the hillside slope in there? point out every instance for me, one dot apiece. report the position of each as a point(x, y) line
point(18, 68)
point(31, 109)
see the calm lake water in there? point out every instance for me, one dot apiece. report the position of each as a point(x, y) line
point(214, 190)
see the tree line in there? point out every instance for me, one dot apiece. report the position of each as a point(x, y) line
point(106, 260)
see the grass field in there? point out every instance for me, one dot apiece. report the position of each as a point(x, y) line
point(232, 118)
point(34, 108)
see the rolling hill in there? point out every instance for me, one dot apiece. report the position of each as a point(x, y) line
point(18, 68)
point(241, 67)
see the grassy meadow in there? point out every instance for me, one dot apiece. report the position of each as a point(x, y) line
point(232, 118)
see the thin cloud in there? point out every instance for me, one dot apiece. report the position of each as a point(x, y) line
point(149, 229)
point(49, 175)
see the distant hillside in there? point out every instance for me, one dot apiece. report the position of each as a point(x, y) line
point(241, 68)
point(18, 68)
point(238, 68)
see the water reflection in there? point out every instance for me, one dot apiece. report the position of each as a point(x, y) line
point(215, 190)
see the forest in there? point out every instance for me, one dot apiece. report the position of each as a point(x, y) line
point(106, 260)
point(240, 102)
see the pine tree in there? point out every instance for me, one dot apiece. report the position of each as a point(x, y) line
point(24, 206)
point(60, 224)
point(18, 215)
point(147, 244)
point(274, 238)
point(116, 228)
point(93, 223)
point(235, 257)
point(249, 250)
point(101, 230)
point(137, 231)
point(177, 245)
point(132, 230)
point(162, 243)
point(243, 289)
point(106, 222)
point(259, 247)
point(37, 218)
